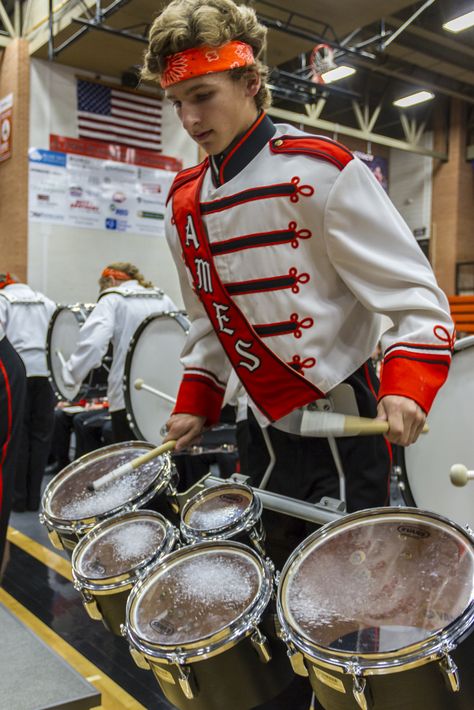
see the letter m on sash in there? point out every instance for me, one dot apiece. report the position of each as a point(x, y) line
point(203, 271)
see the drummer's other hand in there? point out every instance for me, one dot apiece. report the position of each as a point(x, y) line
point(184, 428)
point(405, 418)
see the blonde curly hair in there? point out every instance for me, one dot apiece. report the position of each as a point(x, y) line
point(127, 268)
point(184, 24)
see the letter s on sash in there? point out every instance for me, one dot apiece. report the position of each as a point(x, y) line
point(251, 361)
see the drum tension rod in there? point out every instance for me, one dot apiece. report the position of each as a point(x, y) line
point(260, 644)
point(358, 685)
point(185, 678)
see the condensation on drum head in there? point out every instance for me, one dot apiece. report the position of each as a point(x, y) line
point(376, 585)
point(123, 544)
point(196, 595)
point(67, 497)
point(217, 509)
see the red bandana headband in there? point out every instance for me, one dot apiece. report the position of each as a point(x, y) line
point(115, 274)
point(7, 281)
point(205, 60)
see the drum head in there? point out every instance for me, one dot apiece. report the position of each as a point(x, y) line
point(217, 509)
point(197, 593)
point(428, 462)
point(120, 546)
point(67, 498)
point(154, 357)
point(63, 334)
point(375, 583)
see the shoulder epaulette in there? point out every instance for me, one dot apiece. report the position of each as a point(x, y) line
point(317, 146)
point(185, 175)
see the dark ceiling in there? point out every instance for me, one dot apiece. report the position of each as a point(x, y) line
point(423, 55)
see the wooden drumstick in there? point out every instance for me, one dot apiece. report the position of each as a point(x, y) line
point(332, 424)
point(140, 384)
point(131, 465)
point(460, 475)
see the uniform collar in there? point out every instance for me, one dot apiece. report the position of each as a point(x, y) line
point(226, 165)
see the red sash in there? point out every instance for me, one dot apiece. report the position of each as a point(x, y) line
point(275, 387)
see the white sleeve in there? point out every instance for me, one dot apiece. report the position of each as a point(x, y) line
point(377, 257)
point(4, 313)
point(94, 339)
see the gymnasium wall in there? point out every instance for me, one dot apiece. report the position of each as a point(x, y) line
point(65, 262)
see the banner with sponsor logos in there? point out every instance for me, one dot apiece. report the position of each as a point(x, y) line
point(81, 191)
point(6, 109)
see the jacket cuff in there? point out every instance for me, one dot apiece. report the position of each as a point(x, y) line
point(407, 377)
point(200, 396)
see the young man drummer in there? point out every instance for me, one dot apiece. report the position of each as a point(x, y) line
point(288, 250)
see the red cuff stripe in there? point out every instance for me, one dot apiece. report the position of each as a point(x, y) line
point(199, 396)
point(416, 379)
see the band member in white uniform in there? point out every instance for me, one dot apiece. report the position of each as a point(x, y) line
point(25, 316)
point(125, 300)
point(12, 397)
point(288, 250)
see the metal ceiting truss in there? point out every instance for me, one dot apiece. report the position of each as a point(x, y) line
point(295, 87)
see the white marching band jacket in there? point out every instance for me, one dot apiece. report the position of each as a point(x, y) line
point(115, 318)
point(287, 252)
point(25, 316)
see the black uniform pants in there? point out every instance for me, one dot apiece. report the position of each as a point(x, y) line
point(121, 430)
point(305, 467)
point(12, 396)
point(36, 435)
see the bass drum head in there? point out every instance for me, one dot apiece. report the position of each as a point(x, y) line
point(154, 357)
point(426, 464)
point(62, 337)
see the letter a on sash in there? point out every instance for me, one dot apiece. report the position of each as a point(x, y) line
point(191, 236)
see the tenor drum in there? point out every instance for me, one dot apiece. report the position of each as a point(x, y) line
point(113, 556)
point(229, 510)
point(378, 609)
point(70, 510)
point(426, 464)
point(154, 357)
point(61, 343)
point(202, 622)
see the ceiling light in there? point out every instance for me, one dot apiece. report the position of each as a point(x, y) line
point(412, 99)
point(463, 22)
point(340, 72)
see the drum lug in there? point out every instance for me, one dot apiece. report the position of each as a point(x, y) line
point(186, 681)
point(260, 643)
point(297, 663)
point(358, 685)
point(90, 604)
point(450, 670)
point(257, 538)
point(139, 659)
point(55, 539)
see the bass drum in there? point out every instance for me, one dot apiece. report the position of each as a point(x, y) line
point(425, 480)
point(153, 358)
point(61, 343)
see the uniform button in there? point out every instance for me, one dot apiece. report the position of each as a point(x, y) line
point(278, 143)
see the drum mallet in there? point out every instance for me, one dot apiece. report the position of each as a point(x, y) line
point(460, 475)
point(131, 465)
point(141, 385)
point(333, 424)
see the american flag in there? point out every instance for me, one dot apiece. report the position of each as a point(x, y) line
point(117, 116)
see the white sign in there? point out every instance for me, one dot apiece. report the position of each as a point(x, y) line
point(97, 194)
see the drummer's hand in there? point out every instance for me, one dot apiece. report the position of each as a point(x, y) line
point(405, 417)
point(184, 428)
